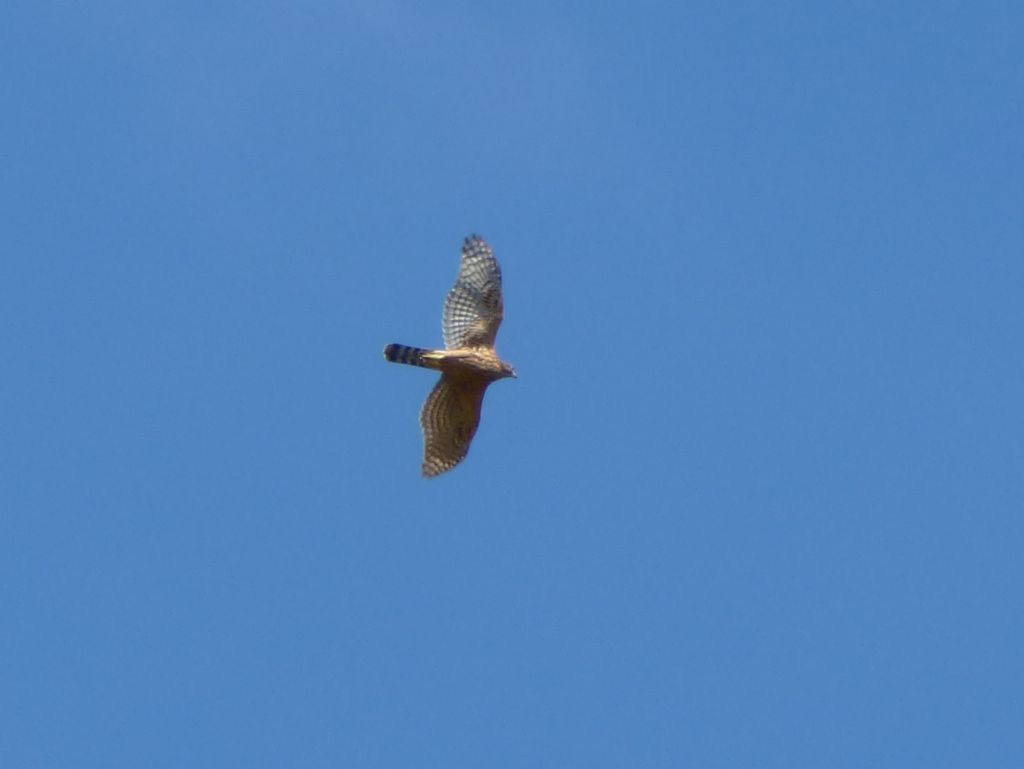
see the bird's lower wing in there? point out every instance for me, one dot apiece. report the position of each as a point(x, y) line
point(449, 420)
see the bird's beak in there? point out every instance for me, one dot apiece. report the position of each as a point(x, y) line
point(514, 374)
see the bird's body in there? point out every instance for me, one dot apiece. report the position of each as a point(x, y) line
point(480, 361)
point(473, 311)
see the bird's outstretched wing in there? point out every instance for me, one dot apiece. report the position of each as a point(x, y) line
point(449, 420)
point(473, 309)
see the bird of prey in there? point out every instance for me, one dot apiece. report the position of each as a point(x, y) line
point(472, 313)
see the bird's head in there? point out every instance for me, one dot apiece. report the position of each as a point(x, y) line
point(508, 371)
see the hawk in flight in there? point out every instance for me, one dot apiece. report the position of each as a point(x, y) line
point(468, 364)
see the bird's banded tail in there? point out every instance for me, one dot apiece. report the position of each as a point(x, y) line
point(412, 356)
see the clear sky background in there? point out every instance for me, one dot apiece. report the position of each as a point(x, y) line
point(755, 500)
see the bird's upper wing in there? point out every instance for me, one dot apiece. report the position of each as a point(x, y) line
point(473, 309)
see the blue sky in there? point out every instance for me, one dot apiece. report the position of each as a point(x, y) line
point(754, 501)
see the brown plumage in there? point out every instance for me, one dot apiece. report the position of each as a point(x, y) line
point(473, 311)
